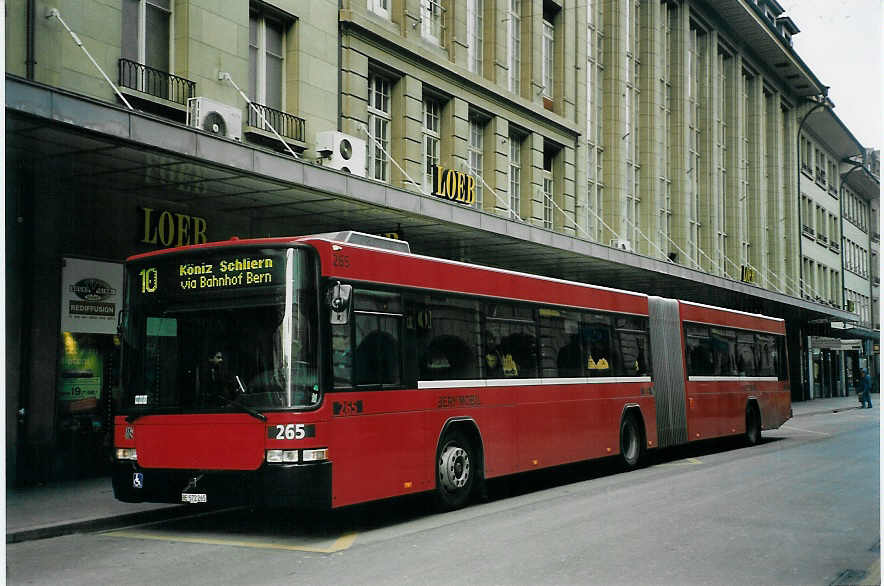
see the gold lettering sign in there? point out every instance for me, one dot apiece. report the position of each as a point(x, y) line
point(165, 228)
point(454, 185)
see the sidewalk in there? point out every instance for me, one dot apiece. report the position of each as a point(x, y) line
point(89, 505)
point(832, 405)
point(75, 506)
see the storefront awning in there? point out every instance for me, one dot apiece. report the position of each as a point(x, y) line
point(114, 151)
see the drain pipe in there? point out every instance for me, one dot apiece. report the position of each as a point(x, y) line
point(29, 57)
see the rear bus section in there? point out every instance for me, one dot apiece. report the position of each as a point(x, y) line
point(736, 373)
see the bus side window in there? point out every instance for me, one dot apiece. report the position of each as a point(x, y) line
point(724, 344)
point(746, 354)
point(597, 346)
point(342, 356)
point(445, 338)
point(633, 345)
point(377, 323)
point(561, 352)
point(509, 346)
point(766, 349)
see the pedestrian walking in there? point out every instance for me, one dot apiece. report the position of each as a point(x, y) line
point(865, 387)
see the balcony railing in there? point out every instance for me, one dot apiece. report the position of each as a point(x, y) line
point(156, 83)
point(287, 125)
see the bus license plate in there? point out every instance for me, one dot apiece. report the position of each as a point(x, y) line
point(192, 498)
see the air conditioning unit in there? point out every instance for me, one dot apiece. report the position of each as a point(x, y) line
point(341, 151)
point(621, 244)
point(214, 117)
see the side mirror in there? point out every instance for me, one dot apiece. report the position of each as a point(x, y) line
point(121, 322)
point(339, 303)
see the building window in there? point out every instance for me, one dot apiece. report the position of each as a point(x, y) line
point(514, 46)
point(378, 162)
point(515, 177)
point(594, 120)
point(477, 129)
point(380, 7)
point(266, 58)
point(431, 20)
point(724, 62)
point(631, 124)
point(548, 193)
point(432, 110)
point(146, 32)
point(548, 58)
point(475, 34)
point(695, 58)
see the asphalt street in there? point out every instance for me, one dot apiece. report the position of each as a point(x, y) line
point(802, 507)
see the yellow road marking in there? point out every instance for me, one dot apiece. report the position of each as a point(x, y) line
point(340, 544)
point(806, 430)
point(873, 574)
point(685, 462)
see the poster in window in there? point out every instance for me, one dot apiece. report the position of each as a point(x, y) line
point(91, 296)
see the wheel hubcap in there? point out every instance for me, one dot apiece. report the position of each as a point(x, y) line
point(454, 468)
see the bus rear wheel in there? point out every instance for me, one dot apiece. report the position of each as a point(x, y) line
point(455, 471)
point(753, 425)
point(631, 446)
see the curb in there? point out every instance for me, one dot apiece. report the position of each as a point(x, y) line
point(100, 524)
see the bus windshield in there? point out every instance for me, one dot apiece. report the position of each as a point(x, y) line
point(221, 331)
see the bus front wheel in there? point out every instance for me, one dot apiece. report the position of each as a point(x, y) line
point(455, 471)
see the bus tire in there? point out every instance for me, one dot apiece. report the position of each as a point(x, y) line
point(456, 471)
point(753, 424)
point(631, 443)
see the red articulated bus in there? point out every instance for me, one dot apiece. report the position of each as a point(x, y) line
point(323, 371)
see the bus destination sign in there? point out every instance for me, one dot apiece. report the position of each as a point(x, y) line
point(212, 274)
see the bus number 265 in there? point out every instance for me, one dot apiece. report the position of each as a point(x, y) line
point(292, 431)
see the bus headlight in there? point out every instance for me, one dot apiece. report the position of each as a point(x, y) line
point(127, 454)
point(314, 455)
point(282, 456)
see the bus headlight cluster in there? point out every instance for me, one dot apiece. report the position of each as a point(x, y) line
point(316, 455)
point(126, 454)
point(293, 456)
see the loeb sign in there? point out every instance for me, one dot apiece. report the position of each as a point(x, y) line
point(454, 185)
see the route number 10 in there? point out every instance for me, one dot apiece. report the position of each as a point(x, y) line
point(148, 280)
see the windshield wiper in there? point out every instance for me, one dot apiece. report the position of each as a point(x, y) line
point(245, 408)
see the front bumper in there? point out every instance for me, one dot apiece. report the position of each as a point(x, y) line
point(294, 485)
